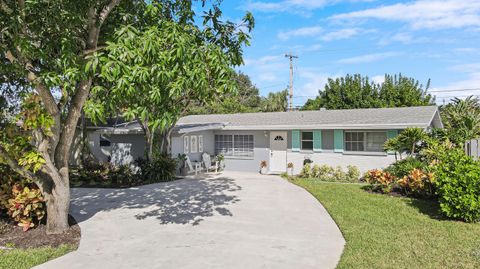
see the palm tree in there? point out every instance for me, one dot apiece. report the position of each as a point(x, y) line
point(275, 102)
point(462, 118)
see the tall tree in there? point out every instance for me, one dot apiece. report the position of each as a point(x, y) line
point(245, 98)
point(356, 91)
point(156, 72)
point(48, 48)
point(401, 91)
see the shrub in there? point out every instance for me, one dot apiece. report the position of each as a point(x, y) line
point(160, 169)
point(338, 174)
point(306, 171)
point(458, 185)
point(404, 167)
point(20, 199)
point(353, 173)
point(325, 172)
point(27, 206)
point(380, 180)
point(316, 171)
point(417, 182)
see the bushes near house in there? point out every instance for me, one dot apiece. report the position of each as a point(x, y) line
point(93, 174)
point(458, 185)
point(440, 170)
point(328, 173)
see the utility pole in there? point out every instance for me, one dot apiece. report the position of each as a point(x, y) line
point(290, 56)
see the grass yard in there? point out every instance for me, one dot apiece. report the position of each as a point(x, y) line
point(393, 232)
point(27, 258)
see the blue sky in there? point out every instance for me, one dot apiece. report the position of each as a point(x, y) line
point(423, 39)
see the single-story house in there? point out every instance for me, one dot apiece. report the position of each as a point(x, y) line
point(332, 137)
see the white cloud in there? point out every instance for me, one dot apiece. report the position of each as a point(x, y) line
point(424, 14)
point(378, 79)
point(314, 81)
point(467, 86)
point(368, 58)
point(341, 34)
point(300, 32)
point(466, 50)
point(268, 76)
point(402, 37)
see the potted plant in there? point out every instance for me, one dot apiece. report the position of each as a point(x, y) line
point(290, 168)
point(182, 161)
point(221, 161)
point(263, 167)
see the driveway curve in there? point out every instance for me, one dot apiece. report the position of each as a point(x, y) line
point(233, 220)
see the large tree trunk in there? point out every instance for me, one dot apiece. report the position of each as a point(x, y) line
point(58, 202)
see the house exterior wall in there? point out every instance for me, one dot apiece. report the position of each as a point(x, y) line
point(208, 145)
point(364, 161)
point(124, 148)
point(261, 151)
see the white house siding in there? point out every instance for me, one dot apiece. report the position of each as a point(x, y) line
point(363, 162)
point(261, 149)
point(208, 145)
point(124, 148)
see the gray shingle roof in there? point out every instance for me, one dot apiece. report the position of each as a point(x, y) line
point(372, 118)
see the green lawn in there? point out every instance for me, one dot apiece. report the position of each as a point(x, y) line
point(391, 232)
point(27, 258)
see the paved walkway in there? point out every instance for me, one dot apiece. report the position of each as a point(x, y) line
point(236, 220)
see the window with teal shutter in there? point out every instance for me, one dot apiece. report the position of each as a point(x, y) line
point(391, 134)
point(338, 140)
point(295, 140)
point(317, 141)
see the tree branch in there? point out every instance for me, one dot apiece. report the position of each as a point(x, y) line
point(106, 11)
point(16, 167)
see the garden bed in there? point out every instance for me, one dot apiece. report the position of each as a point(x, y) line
point(383, 231)
point(23, 250)
point(12, 236)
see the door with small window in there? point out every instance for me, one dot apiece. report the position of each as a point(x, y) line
point(278, 152)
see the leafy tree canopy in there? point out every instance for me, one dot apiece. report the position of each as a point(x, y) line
point(356, 91)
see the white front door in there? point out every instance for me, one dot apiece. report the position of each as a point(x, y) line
point(278, 152)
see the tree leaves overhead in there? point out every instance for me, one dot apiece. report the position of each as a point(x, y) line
point(356, 91)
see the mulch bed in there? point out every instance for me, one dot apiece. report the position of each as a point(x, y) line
point(14, 236)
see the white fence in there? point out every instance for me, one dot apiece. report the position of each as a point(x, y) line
point(472, 148)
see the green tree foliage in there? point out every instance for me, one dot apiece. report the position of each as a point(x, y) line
point(51, 48)
point(461, 119)
point(275, 102)
point(407, 141)
point(356, 91)
point(155, 73)
point(244, 99)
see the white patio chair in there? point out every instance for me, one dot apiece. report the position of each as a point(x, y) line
point(207, 162)
point(195, 167)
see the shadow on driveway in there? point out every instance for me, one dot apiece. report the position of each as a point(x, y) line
point(185, 201)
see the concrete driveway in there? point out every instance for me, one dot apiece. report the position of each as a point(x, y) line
point(235, 220)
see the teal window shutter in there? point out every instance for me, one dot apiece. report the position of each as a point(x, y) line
point(295, 140)
point(391, 134)
point(317, 141)
point(338, 140)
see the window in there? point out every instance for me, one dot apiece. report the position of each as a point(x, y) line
point(365, 141)
point(307, 140)
point(234, 145)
